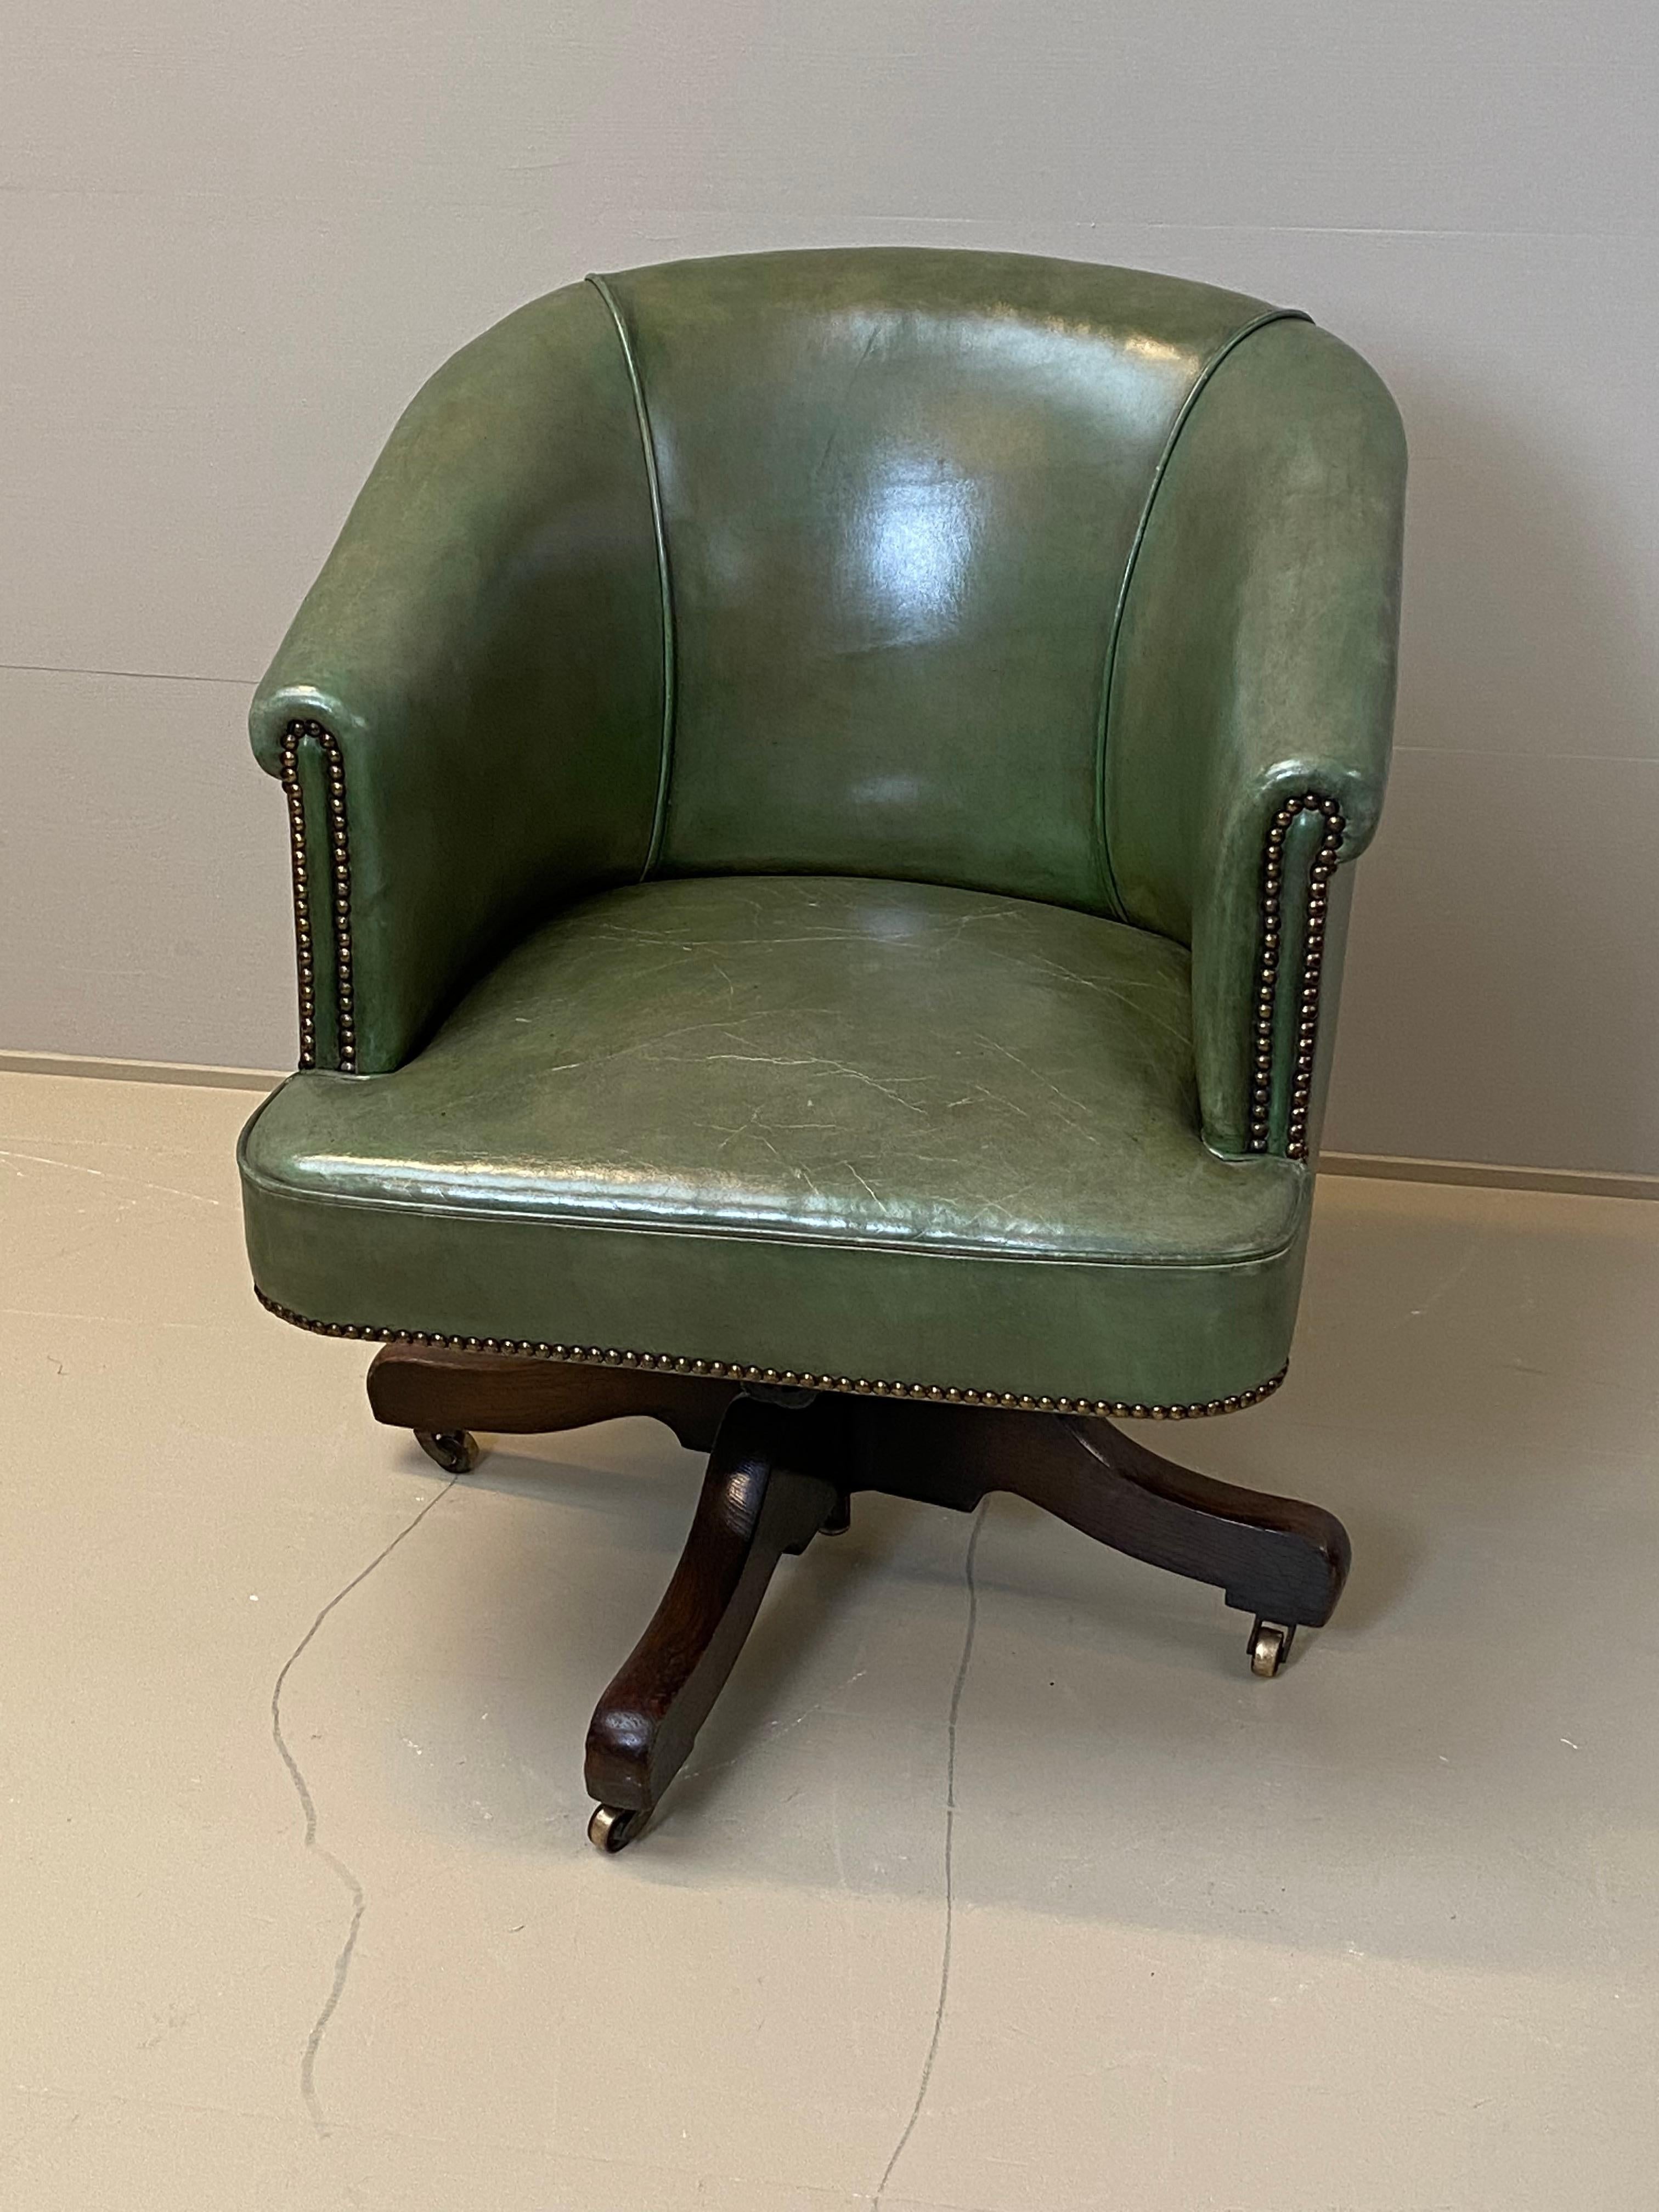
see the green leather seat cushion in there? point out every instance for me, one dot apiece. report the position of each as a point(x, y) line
point(866, 1129)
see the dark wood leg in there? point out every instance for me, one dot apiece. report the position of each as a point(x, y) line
point(1268, 1555)
point(769, 1490)
point(1274, 1558)
point(782, 1466)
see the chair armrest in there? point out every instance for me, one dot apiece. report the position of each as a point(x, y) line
point(467, 713)
point(1251, 709)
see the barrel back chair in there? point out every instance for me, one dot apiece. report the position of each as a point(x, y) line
point(823, 789)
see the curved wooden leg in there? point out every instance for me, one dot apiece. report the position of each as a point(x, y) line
point(782, 1466)
point(769, 1490)
point(1274, 1556)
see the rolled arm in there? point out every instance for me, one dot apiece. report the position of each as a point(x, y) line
point(1252, 708)
point(467, 712)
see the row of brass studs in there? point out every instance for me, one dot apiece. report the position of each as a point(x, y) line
point(1307, 1029)
point(340, 872)
point(663, 1363)
point(297, 846)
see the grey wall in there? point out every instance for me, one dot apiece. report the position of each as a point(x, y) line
point(233, 240)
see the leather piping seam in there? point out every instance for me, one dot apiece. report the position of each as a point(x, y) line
point(1271, 976)
point(664, 589)
point(735, 1372)
point(339, 847)
point(1200, 383)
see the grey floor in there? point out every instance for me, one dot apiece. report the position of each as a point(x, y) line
point(1381, 1936)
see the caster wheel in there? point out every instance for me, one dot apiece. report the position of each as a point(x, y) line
point(612, 1829)
point(1270, 1647)
point(455, 1450)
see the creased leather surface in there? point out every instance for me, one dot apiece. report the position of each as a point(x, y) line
point(485, 641)
point(831, 1087)
point(892, 1063)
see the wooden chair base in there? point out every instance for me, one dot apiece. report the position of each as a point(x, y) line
point(783, 1465)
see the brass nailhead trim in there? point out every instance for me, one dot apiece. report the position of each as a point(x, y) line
point(1307, 1031)
point(594, 1355)
point(340, 873)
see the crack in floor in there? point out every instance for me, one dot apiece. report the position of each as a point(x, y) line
point(949, 1855)
point(308, 1806)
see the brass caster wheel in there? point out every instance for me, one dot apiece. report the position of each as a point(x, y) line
point(612, 1829)
point(1270, 1647)
point(455, 1450)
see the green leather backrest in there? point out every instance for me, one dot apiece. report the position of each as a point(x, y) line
point(899, 491)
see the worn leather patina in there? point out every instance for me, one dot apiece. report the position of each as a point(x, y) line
point(896, 1089)
point(899, 493)
point(810, 726)
point(1255, 663)
point(485, 641)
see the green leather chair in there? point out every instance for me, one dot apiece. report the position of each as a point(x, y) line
point(822, 791)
